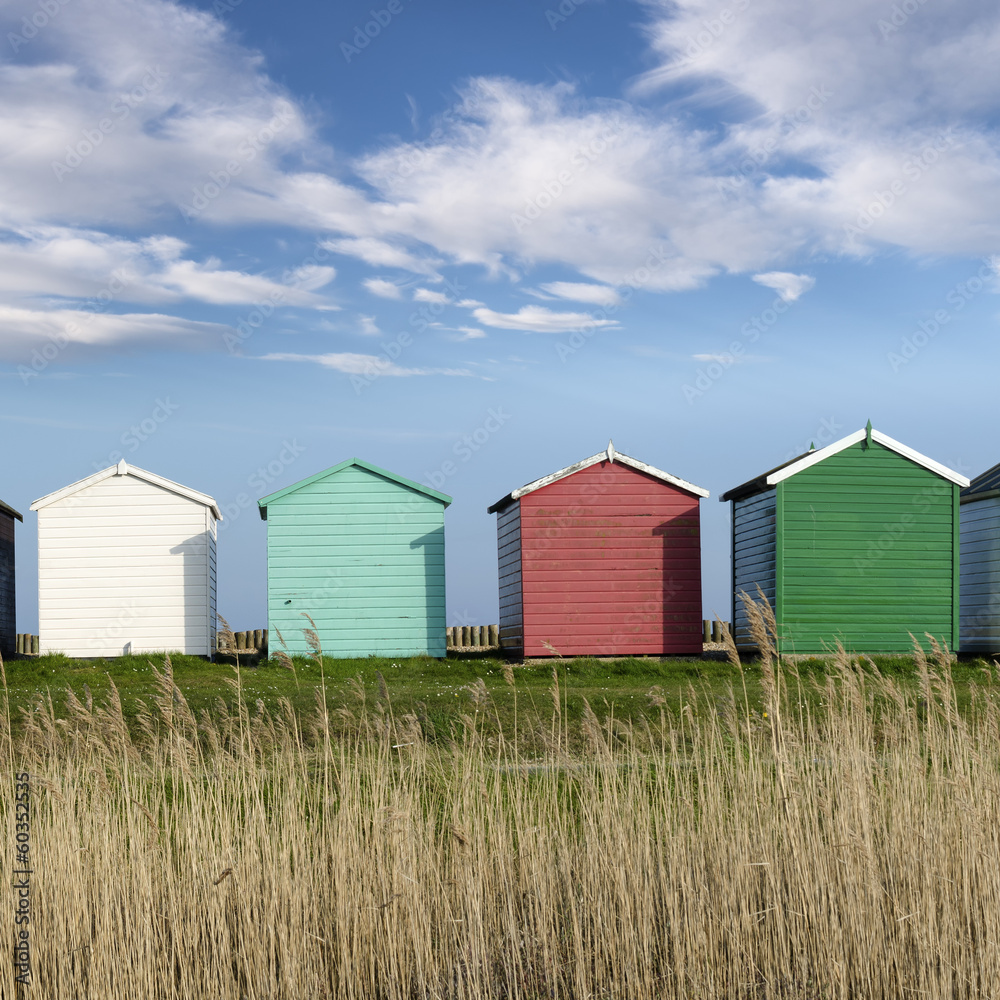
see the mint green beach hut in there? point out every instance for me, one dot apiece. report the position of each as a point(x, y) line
point(361, 551)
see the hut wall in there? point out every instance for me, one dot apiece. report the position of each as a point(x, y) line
point(509, 559)
point(754, 548)
point(979, 620)
point(867, 553)
point(611, 565)
point(8, 626)
point(126, 563)
point(363, 556)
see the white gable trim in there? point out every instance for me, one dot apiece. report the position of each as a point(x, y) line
point(883, 439)
point(124, 469)
point(605, 456)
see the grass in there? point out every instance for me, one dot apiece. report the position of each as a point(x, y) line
point(837, 839)
point(438, 691)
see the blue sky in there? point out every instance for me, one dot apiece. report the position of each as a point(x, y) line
point(238, 246)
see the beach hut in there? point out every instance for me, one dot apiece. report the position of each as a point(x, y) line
point(980, 575)
point(856, 542)
point(8, 626)
point(361, 551)
point(126, 564)
point(601, 558)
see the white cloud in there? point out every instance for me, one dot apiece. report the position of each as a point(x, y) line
point(472, 332)
point(52, 332)
point(382, 288)
point(85, 264)
point(369, 327)
point(788, 286)
point(839, 135)
point(538, 319)
point(363, 364)
point(469, 303)
point(598, 295)
point(379, 253)
point(427, 295)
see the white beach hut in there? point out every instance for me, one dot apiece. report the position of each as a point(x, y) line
point(126, 563)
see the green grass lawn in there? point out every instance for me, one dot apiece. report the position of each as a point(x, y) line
point(439, 692)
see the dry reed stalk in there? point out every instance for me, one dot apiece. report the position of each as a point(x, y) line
point(842, 855)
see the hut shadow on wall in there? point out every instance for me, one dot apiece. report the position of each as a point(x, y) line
point(198, 624)
point(679, 600)
point(432, 544)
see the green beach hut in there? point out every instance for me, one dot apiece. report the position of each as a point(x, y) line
point(856, 542)
point(361, 551)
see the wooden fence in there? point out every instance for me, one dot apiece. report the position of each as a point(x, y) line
point(473, 637)
point(459, 637)
point(711, 631)
point(251, 641)
point(26, 644)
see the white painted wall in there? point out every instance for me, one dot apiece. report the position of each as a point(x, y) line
point(125, 562)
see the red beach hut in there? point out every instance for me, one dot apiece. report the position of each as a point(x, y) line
point(602, 558)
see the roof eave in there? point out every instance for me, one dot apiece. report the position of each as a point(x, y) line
point(131, 470)
point(586, 463)
point(812, 458)
point(7, 509)
point(264, 502)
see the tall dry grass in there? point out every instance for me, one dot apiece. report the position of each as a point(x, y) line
point(722, 850)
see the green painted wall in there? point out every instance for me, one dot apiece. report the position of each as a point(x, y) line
point(364, 556)
point(867, 552)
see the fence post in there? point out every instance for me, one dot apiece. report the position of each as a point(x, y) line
point(34, 645)
point(716, 631)
point(494, 635)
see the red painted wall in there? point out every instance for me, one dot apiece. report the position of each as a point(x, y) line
point(611, 564)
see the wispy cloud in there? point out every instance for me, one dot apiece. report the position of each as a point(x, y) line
point(538, 319)
point(382, 288)
point(363, 364)
point(26, 330)
point(428, 295)
point(789, 286)
point(598, 295)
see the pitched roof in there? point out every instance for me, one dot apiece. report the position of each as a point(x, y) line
point(795, 465)
point(986, 484)
point(402, 480)
point(608, 455)
point(6, 509)
point(124, 469)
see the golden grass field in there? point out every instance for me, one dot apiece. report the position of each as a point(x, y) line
point(719, 850)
